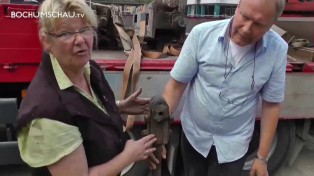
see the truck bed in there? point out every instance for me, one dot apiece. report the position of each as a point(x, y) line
point(299, 93)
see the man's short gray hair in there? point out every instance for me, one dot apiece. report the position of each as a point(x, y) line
point(280, 5)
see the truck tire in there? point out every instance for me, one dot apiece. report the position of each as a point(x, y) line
point(282, 144)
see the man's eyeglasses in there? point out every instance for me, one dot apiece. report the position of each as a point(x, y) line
point(86, 32)
point(226, 75)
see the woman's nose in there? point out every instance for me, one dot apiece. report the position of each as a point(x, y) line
point(78, 38)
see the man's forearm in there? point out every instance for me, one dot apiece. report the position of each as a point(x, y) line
point(269, 121)
point(173, 93)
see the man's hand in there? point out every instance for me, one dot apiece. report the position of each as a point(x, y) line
point(133, 105)
point(259, 168)
point(153, 161)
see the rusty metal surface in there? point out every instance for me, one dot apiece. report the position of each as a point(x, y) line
point(158, 123)
point(160, 16)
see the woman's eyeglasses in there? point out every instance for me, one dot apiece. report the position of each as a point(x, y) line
point(86, 33)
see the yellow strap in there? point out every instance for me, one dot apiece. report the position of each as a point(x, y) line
point(131, 75)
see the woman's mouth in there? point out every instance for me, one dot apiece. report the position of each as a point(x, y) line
point(80, 52)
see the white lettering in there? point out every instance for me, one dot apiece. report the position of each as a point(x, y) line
point(30, 14)
point(71, 16)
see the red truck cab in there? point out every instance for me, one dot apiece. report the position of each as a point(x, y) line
point(20, 49)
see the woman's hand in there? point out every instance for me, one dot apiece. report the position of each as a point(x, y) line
point(133, 105)
point(140, 149)
point(153, 161)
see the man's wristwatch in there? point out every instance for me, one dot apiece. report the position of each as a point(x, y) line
point(265, 160)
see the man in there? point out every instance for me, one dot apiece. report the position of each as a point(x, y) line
point(226, 66)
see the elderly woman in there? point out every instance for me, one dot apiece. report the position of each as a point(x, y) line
point(69, 123)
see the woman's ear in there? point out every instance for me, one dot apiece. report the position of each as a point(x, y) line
point(46, 44)
point(44, 40)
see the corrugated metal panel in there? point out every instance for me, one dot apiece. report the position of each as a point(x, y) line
point(18, 35)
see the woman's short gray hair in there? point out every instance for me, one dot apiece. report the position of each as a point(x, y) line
point(47, 23)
